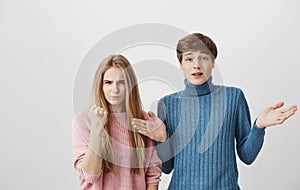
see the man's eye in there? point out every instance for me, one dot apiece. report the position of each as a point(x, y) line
point(188, 59)
point(204, 58)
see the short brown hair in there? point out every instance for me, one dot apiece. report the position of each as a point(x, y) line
point(196, 42)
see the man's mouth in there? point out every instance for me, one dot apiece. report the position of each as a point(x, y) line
point(197, 74)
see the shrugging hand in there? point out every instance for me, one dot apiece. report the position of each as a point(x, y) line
point(273, 115)
point(152, 127)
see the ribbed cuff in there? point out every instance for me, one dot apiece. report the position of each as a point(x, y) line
point(89, 177)
point(257, 130)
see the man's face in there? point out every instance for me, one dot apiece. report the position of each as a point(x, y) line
point(196, 66)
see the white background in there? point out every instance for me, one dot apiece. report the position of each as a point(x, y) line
point(42, 44)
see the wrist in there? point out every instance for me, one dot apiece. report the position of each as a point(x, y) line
point(163, 133)
point(259, 124)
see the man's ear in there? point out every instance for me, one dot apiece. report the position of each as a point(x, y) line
point(213, 62)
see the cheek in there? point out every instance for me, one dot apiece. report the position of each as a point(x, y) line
point(123, 90)
point(106, 90)
point(208, 68)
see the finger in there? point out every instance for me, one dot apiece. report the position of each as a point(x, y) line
point(101, 110)
point(294, 107)
point(278, 105)
point(151, 114)
point(146, 115)
point(105, 112)
point(141, 122)
point(92, 108)
point(279, 121)
point(137, 128)
point(143, 132)
point(98, 109)
point(288, 114)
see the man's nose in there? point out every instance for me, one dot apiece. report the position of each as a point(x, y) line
point(197, 63)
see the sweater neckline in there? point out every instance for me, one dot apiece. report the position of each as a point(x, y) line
point(198, 90)
point(118, 114)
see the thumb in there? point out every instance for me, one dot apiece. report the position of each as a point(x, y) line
point(278, 105)
point(151, 114)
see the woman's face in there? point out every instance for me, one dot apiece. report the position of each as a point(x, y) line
point(196, 66)
point(114, 89)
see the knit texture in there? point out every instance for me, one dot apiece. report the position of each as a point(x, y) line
point(122, 179)
point(205, 125)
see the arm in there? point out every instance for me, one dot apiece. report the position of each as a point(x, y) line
point(92, 162)
point(80, 148)
point(85, 141)
point(165, 149)
point(250, 145)
point(248, 140)
point(153, 171)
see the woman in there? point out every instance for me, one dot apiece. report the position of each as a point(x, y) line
point(107, 153)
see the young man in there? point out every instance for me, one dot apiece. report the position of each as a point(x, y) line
point(202, 125)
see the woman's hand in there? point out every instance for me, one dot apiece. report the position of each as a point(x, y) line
point(98, 118)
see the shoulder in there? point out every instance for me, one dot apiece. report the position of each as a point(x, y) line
point(81, 115)
point(81, 119)
point(230, 90)
point(169, 97)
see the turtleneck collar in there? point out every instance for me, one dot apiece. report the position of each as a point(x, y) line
point(198, 90)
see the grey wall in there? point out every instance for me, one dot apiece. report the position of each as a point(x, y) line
point(42, 45)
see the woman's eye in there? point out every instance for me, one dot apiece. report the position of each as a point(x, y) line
point(107, 82)
point(188, 59)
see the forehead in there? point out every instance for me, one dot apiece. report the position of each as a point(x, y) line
point(195, 53)
point(113, 73)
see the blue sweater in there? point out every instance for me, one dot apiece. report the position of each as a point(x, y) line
point(205, 124)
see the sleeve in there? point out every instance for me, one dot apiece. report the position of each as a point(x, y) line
point(165, 150)
point(79, 146)
point(153, 172)
point(249, 140)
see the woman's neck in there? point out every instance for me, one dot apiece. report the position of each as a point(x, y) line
point(117, 108)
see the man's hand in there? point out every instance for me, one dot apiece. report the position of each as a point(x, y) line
point(273, 115)
point(152, 127)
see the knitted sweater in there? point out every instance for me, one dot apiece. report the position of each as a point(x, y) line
point(205, 124)
point(122, 179)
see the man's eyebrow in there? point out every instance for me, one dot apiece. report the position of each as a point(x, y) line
point(188, 53)
point(204, 52)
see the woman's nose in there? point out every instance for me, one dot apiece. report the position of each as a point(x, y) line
point(115, 87)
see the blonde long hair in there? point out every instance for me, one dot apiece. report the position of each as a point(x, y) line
point(133, 109)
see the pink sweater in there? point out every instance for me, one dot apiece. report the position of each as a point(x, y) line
point(122, 179)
